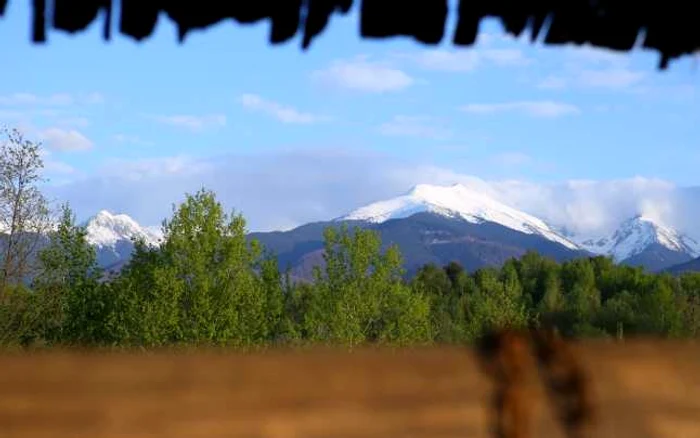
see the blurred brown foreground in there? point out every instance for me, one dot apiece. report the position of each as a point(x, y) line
point(640, 389)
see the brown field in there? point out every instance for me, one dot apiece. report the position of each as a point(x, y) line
point(640, 390)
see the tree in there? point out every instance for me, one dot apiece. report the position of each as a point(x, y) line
point(582, 298)
point(24, 213)
point(360, 295)
point(445, 289)
point(211, 267)
point(67, 280)
point(144, 302)
point(496, 303)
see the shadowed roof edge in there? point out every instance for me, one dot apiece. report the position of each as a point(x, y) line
point(669, 27)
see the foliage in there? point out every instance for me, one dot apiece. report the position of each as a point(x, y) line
point(24, 212)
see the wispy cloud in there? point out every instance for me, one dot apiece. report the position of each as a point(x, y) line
point(191, 122)
point(297, 188)
point(55, 168)
point(157, 167)
point(511, 159)
point(615, 78)
point(359, 74)
point(465, 60)
point(593, 68)
point(415, 126)
point(283, 113)
point(65, 139)
point(56, 99)
point(543, 108)
point(18, 99)
point(73, 122)
point(595, 55)
point(131, 139)
point(552, 82)
point(58, 167)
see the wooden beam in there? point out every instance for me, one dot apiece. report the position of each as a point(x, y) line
point(640, 389)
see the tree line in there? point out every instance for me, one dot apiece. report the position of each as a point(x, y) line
point(208, 284)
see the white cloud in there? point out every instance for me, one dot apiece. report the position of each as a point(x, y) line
point(490, 38)
point(361, 75)
point(415, 126)
point(12, 114)
point(444, 60)
point(588, 54)
point(56, 99)
point(55, 168)
point(293, 188)
point(65, 139)
point(543, 108)
point(505, 57)
point(610, 78)
point(77, 122)
point(590, 67)
point(552, 82)
point(595, 207)
point(465, 60)
point(17, 99)
point(140, 170)
point(93, 98)
point(511, 159)
point(131, 139)
point(58, 167)
point(283, 113)
point(192, 122)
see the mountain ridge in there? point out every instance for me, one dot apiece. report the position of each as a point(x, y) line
point(466, 216)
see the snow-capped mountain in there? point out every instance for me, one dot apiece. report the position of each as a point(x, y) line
point(111, 236)
point(457, 201)
point(106, 229)
point(638, 234)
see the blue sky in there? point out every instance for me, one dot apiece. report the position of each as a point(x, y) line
point(129, 127)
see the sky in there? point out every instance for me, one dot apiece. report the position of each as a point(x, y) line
point(583, 137)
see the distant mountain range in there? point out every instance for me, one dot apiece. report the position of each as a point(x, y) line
point(439, 224)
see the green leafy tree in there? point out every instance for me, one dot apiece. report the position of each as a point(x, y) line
point(496, 303)
point(360, 296)
point(443, 288)
point(145, 303)
point(72, 309)
point(582, 298)
point(211, 267)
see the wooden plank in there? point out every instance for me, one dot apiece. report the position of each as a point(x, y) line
point(640, 390)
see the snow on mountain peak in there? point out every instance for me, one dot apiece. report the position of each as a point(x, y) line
point(106, 229)
point(456, 200)
point(635, 234)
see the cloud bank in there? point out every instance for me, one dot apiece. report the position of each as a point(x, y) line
point(284, 189)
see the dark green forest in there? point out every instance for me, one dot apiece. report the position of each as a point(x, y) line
point(209, 285)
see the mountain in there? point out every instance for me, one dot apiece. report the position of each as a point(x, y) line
point(111, 236)
point(689, 266)
point(424, 237)
point(431, 224)
point(642, 241)
point(435, 224)
point(457, 201)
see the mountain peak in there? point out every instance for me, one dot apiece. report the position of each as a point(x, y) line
point(639, 232)
point(107, 228)
point(459, 201)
